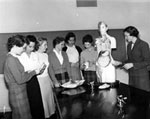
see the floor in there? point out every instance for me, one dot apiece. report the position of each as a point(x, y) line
point(7, 115)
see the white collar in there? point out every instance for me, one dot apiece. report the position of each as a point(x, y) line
point(59, 53)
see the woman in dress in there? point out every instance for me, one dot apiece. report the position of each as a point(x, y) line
point(73, 51)
point(44, 79)
point(105, 64)
point(59, 68)
point(29, 60)
point(16, 78)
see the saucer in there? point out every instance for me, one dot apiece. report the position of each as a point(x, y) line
point(104, 86)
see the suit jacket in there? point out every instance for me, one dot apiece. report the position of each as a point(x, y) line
point(139, 55)
point(55, 67)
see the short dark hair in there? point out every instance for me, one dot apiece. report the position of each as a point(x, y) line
point(30, 38)
point(40, 41)
point(87, 38)
point(69, 35)
point(132, 31)
point(18, 40)
point(57, 40)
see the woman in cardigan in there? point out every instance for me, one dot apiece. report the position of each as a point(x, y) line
point(59, 67)
point(16, 78)
point(73, 51)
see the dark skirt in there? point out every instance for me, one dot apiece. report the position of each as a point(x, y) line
point(35, 98)
point(90, 76)
point(62, 77)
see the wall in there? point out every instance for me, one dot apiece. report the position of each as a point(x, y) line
point(58, 15)
point(63, 15)
point(4, 103)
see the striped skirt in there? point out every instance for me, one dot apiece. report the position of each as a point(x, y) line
point(62, 77)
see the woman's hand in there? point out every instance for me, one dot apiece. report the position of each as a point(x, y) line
point(116, 63)
point(82, 66)
point(37, 71)
point(85, 65)
point(128, 66)
point(56, 84)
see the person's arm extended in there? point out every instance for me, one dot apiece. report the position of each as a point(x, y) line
point(18, 71)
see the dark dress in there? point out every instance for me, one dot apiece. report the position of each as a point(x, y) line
point(35, 98)
point(140, 57)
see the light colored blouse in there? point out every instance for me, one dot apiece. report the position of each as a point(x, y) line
point(73, 54)
point(29, 63)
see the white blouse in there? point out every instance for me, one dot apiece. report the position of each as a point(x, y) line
point(73, 54)
point(29, 62)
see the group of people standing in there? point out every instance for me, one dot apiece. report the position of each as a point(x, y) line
point(31, 73)
point(26, 74)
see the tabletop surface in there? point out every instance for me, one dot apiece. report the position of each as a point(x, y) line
point(120, 101)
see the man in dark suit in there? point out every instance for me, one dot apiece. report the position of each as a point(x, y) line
point(138, 54)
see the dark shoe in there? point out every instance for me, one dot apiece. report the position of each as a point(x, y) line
point(54, 116)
